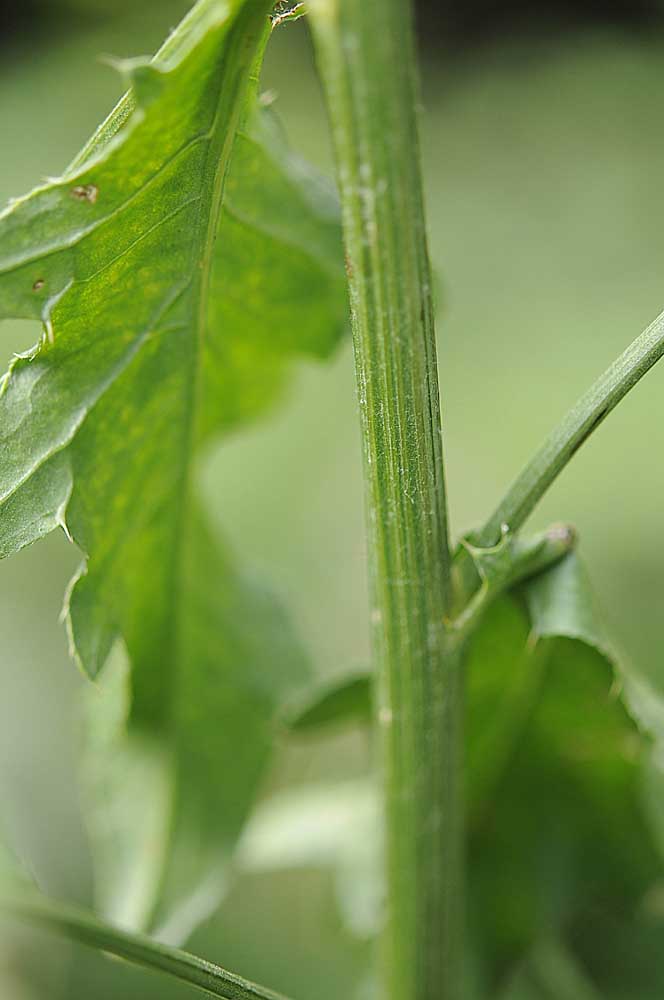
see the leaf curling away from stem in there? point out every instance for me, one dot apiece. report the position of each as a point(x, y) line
point(180, 266)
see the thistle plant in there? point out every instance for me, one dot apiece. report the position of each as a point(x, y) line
point(179, 267)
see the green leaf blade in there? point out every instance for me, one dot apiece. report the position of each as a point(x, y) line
point(157, 265)
point(560, 833)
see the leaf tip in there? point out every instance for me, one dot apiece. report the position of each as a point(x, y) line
point(286, 10)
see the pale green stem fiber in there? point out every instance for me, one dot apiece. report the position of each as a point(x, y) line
point(365, 52)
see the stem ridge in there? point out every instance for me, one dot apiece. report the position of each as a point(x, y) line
point(366, 58)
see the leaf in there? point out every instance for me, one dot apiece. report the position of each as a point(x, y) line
point(560, 603)
point(338, 701)
point(504, 675)
point(287, 10)
point(178, 267)
point(515, 558)
point(624, 956)
point(550, 973)
point(327, 826)
point(563, 832)
point(506, 658)
point(559, 833)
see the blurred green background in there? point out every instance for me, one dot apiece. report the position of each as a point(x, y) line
point(543, 145)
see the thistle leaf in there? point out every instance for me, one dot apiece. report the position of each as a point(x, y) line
point(178, 267)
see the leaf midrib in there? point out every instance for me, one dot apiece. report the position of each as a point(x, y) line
point(222, 138)
point(248, 30)
point(246, 27)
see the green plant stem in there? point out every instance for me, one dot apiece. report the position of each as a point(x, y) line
point(529, 487)
point(135, 948)
point(365, 53)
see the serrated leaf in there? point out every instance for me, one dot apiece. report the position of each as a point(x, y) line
point(178, 266)
point(561, 603)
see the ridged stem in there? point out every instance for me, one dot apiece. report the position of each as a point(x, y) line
point(365, 54)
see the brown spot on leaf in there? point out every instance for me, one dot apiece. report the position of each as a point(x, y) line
point(38, 285)
point(85, 192)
